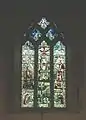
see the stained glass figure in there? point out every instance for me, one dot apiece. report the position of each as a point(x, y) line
point(27, 97)
point(43, 89)
point(59, 75)
point(43, 23)
point(36, 34)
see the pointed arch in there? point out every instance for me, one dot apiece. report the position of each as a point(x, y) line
point(59, 74)
point(43, 89)
point(43, 68)
point(27, 96)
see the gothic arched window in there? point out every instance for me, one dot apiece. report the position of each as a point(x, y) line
point(43, 79)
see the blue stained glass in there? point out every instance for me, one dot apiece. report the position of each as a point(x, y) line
point(51, 34)
point(52, 31)
point(36, 34)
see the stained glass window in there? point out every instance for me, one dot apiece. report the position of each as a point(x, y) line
point(43, 93)
point(59, 75)
point(43, 74)
point(27, 75)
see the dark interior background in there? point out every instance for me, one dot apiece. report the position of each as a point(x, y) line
point(15, 18)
